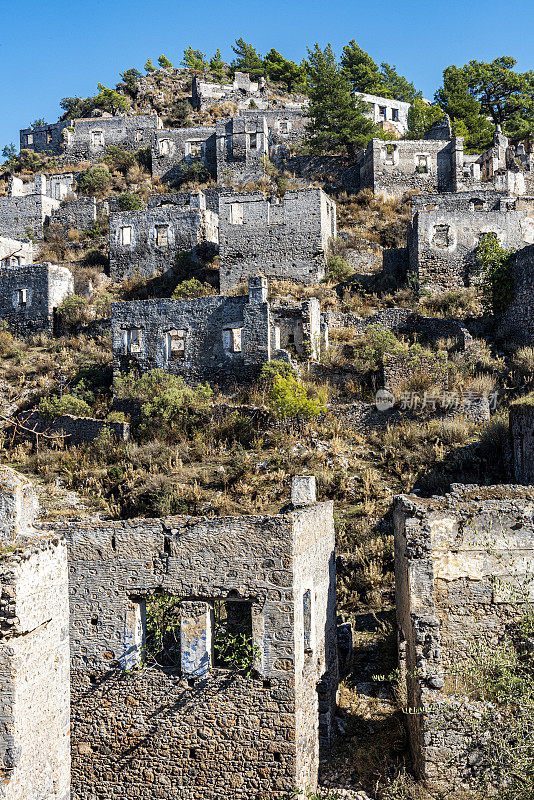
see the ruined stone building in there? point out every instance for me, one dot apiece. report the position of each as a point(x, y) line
point(31, 294)
point(88, 137)
point(517, 322)
point(27, 214)
point(390, 115)
point(13, 252)
point(196, 724)
point(216, 339)
point(173, 151)
point(146, 242)
point(522, 440)
point(242, 149)
point(461, 579)
point(242, 92)
point(446, 230)
point(286, 239)
point(55, 185)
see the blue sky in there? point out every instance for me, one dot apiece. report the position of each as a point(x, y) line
point(56, 49)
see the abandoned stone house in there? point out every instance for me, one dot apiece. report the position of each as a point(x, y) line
point(173, 151)
point(390, 115)
point(77, 213)
point(190, 725)
point(242, 92)
point(446, 229)
point(286, 239)
point(147, 242)
point(55, 185)
point(216, 339)
point(13, 252)
point(461, 579)
point(30, 295)
point(27, 214)
point(242, 149)
point(88, 137)
point(517, 322)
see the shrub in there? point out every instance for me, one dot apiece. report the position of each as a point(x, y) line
point(376, 342)
point(494, 261)
point(191, 288)
point(73, 311)
point(56, 406)
point(117, 416)
point(94, 181)
point(523, 360)
point(119, 159)
point(7, 344)
point(288, 399)
point(275, 369)
point(455, 303)
point(95, 258)
point(338, 269)
point(129, 201)
point(192, 172)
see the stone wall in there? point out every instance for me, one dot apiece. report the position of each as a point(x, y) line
point(200, 727)
point(288, 239)
point(13, 252)
point(517, 322)
point(242, 92)
point(22, 216)
point(77, 214)
point(522, 441)
point(461, 573)
point(44, 138)
point(75, 430)
point(174, 150)
point(392, 115)
point(443, 239)
point(412, 368)
point(156, 235)
point(34, 652)
point(29, 296)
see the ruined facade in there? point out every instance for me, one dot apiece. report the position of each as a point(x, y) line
point(390, 115)
point(58, 186)
point(285, 239)
point(522, 441)
point(88, 138)
point(139, 729)
point(446, 230)
point(217, 339)
point(242, 149)
point(242, 92)
point(461, 572)
point(44, 138)
point(517, 322)
point(173, 151)
point(146, 242)
point(23, 216)
point(30, 295)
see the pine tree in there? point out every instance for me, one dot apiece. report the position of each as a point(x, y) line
point(361, 70)
point(149, 66)
point(281, 70)
point(164, 62)
point(248, 60)
point(194, 60)
point(217, 66)
point(338, 121)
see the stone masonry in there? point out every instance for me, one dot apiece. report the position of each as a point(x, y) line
point(30, 295)
point(13, 253)
point(242, 92)
point(446, 230)
point(517, 322)
point(286, 239)
point(522, 441)
point(217, 339)
point(88, 138)
point(146, 242)
point(461, 573)
point(242, 149)
point(175, 150)
point(34, 651)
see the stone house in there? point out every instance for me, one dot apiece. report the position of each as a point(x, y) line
point(196, 724)
point(89, 137)
point(242, 92)
point(390, 115)
point(174, 150)
point(216, 339)
point(461, 580)
point(446, 229)
point(25, 214)
point(30, 295)
point(45, 138)
point(55, 185)
point(286, 239)
point(13, 253)
point(146, 242)
point(242, 149)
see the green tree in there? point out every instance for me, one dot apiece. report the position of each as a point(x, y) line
point(421, 117)
point(179, 112)
point(94, 181)
point(129, 201)
point(130, 79)
point(217, 66)
point(280, 70)
point(501, 92)
point(465, 112)
point(149, 66)
point(38, 123)
point(361, 70)
point(395, 85)
point(111, 101)
point(194, 60)
point(164, 62)
point(248, 60)
point(338, 121)
point(76, 107)
point(494, 261)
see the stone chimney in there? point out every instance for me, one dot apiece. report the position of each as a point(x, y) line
point(303, 490)
point(257, 289)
